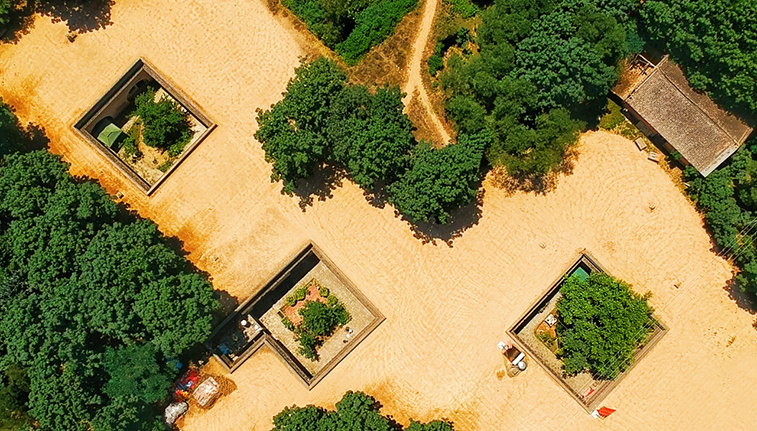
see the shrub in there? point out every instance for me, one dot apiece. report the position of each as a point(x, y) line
point(436, 61)
point(301, 293)
point(342, 316)
point(324, 292)
point(331, 301)
point(165, 124)
point(308, 345)
point(374, 24)
point(165, 166)
point(612, 118)
point(130, 148)
point(464, 8)
point(287, 323)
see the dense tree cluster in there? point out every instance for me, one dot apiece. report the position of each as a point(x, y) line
point(165, 124)
point(355, 411)
point(714, 40)
point(323, 120)
point(93, 302)
point(602, 321)
point(716, 43)
point(539, 67)
point(728, 198)
point(351, 27)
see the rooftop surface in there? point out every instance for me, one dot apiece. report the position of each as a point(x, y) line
point(446, 307)
point(692, 123)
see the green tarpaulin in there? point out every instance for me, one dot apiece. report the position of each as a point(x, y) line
point(109, 134)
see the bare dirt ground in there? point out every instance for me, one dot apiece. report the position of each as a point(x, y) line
point(414, 87)
point(446, 307)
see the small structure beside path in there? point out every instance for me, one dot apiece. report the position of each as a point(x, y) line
point(661, 103)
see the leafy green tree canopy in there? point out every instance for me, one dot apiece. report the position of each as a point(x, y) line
point(714, 40)
point(292, 131)
point(355, 411)
point(92, 303)
point(440, 180)
point(601, 322)
point(165, 124)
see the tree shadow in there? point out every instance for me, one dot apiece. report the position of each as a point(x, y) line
point(539, 184)
point(20, 22)
point(228, 302)
point(460, 221)
point(80, 15)
point(36, 138)
point(319, 186)
point(745, 300)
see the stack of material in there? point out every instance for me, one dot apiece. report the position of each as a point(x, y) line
point(206, 393)
point(174, 411)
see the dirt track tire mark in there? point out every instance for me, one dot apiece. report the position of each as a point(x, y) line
point(415, 78)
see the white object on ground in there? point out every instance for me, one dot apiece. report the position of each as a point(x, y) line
point(174, 411)
point(518, 359)
point(206, 392)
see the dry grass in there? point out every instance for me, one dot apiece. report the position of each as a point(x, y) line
point(386, 63)
point(424, 130)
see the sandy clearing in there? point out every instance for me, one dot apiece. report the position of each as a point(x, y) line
point(446, 307)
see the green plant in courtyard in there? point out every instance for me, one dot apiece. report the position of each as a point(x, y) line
point(287, 323)
point(319, 321)
point(308, 345)
point(602, 322)
point(165, 124)
point(323, 291)
point(165, 166)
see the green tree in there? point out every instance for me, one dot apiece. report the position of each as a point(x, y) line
point(541, 65)
point(318, 319)
point(91, 302)
point(370, 134)
point(355, 411)
point(440, 180)
point(135, 374)
point(292, 131)
point(714, 40)
point(165, 124)
point(602, 321)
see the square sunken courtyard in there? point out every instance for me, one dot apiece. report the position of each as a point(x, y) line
point(108, 123)
point(583, 387)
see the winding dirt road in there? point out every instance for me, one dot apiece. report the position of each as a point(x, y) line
point(415, 78)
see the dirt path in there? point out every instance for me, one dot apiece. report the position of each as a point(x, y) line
point(414, 86)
